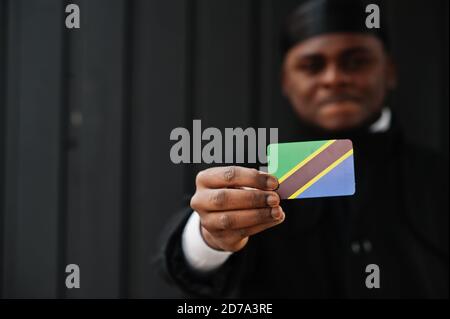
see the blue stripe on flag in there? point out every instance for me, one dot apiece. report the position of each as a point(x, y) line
point(339, 181)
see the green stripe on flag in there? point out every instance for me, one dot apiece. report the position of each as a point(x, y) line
point(289, 155)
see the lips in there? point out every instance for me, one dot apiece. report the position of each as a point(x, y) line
point(339, 99)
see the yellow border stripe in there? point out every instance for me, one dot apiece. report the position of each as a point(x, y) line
point(306, 160)
point(321, 174)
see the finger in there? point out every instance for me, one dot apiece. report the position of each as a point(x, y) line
point(236, 176)
point(226, 220)
point(233, 199)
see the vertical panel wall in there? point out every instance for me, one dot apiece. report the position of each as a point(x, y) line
point(157, 105)
point(33, 148)
point(99, 69)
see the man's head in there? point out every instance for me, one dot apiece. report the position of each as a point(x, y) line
point(335, 73)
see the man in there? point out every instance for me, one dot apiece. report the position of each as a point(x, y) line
point(239, 240)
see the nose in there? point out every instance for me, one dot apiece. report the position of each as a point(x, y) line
point(334, 77)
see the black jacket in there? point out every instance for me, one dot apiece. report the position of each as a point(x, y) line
point(398, 220)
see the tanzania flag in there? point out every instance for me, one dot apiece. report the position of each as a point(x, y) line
point(313, 169)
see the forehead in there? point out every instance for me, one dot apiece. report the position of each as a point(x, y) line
point(334, 44)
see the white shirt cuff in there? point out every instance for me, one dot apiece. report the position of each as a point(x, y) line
point(198, 254)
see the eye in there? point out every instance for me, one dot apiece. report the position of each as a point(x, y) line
point(356, 62)
point(311, 66)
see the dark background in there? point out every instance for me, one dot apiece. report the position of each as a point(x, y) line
point(85, 118)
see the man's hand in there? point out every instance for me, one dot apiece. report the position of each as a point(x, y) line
point(234, 203)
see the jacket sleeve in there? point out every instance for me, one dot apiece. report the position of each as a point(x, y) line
point(170, 261)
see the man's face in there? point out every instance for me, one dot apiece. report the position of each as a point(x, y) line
point(337, 81)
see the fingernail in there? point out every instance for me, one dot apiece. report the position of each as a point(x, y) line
point(272, 200)
point(272, 182)
point(276, 213)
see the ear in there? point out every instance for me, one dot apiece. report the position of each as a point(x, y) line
point(391, 73)
point(285, 85)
